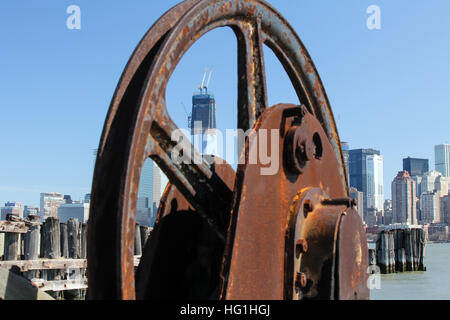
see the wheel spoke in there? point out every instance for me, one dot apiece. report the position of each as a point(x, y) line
point(252, 90)
point(192, 175)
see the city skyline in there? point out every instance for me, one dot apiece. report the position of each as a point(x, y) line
point(69, 90)
point(163, 181)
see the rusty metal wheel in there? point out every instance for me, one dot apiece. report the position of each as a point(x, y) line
point(242, 222)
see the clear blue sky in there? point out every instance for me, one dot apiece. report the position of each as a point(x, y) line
point(389, 88)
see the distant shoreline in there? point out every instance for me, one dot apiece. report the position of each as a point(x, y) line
point(427, 242)
point(437, 241)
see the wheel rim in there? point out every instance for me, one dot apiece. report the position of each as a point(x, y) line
point(138, 125)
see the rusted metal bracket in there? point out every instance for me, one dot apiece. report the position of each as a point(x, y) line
point(324, 250)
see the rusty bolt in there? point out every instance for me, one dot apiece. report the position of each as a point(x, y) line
point(301, 247)
point(300, 147)
point(300, 280)
point(302, 152)
point(297, 150)
point(348, 202)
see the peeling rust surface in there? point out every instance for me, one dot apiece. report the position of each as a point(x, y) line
point(263, 212)
point(353, 254)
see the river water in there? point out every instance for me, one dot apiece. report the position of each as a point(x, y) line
point(433, 284)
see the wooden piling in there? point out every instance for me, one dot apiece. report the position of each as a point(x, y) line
point(11, 246)
point(408, 250)
point(382, 256)
point(42, 241)
point(74, 243)
point(372, 257)
point(52, 249)
point(400, 250)
point(137, 240)
point(73, 238)
point(386, 254)
point(84, 231)
point(391, 251)
point(83, 251)
point(31, 244)
point(145, 232)
point(21, 246)
point(422, 240)
point(64, 240)
point(414, 250)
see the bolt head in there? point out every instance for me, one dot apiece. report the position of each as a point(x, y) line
point(301, 246)
point(307, 207)
point(300, 280)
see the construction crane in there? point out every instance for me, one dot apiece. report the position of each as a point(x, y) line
point(204, 86)
point(207, 82)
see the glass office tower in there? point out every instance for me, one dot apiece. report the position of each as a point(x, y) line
point(366, 175)
point(202, 121)
point(442, 159)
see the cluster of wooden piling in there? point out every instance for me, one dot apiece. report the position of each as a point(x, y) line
point(399, 250)
point(52, 255)
point(51, 240)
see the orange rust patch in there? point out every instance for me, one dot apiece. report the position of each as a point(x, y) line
point(185, 30)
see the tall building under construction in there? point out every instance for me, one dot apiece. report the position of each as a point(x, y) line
point(203, 119)
point(203, 113)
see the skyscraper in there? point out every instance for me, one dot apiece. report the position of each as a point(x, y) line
point(145, 194)
point(445, 209)
point(415, 166)
point(404, 208)
point(442, 185)
point(68, 198)
point(203, 112)
point(431, 181)
point(375, 192)
point(12, 208)
point(359, 197)
point(148, 193)
point(78, 211)
point(164, 182)
point(157, 173)
point(430, 207)
point(418, 180)
point(345, 155)
point(388, 217)
point(366, 175)
point(202, 120)
point(30, 211)
point(442, 159)
point(49, 204)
